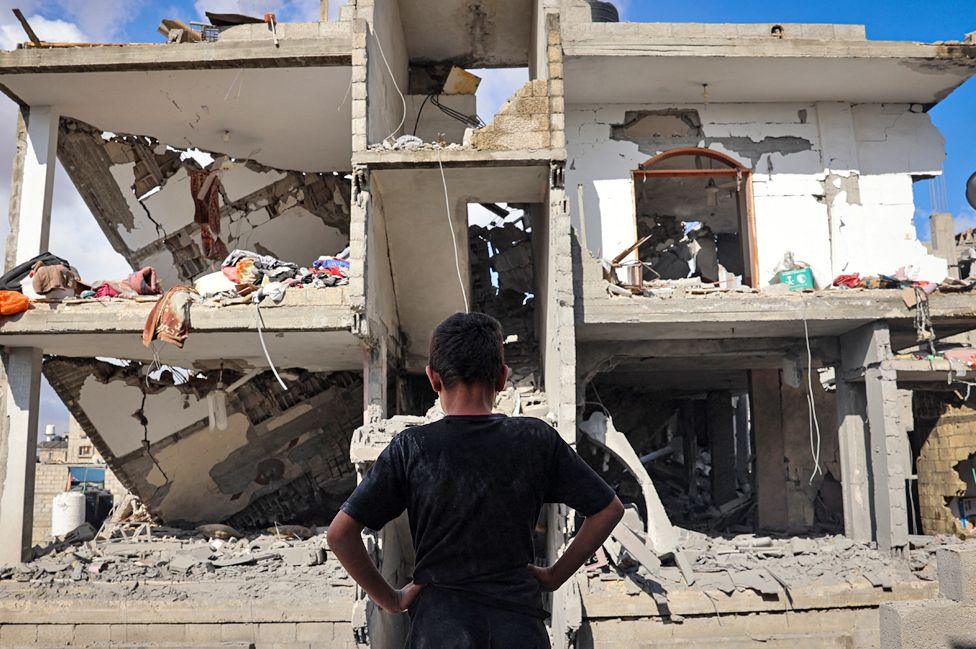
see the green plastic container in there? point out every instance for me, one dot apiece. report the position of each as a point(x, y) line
point(797, 280)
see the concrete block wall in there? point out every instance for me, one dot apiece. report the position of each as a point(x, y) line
point(951, 440)
point(49, 481)
point(285, 635)
point(521, 124)
point(827, 629)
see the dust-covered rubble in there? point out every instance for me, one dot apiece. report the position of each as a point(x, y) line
point(155, 562)
point(770, 565)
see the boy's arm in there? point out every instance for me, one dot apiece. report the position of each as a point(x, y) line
point(346, 543)
point(592, 534)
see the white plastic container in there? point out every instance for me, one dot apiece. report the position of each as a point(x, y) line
point(67, 512)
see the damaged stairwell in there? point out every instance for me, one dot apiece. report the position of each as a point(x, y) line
point(139, 191)
point(282, 458)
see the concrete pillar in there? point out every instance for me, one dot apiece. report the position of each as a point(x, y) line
point(721, 445)
point(17, 172)
point(18, 451)
point(375, 373)
point(767, 425)
point(943, 230)
point(865, 351)
point(743, 441)
point(853, 442)
point(688, 425)
point(324, 11)
point(37, 182)
point(21, 383)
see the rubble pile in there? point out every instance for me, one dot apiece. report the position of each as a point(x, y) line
point(156, 561)
point(769, 565)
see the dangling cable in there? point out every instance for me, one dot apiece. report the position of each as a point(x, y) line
point(395, 85)
point(450, 225)
point(267, 356)
point(812, 406)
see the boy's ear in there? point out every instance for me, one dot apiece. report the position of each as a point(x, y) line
point(435, 379)
point(503, 379)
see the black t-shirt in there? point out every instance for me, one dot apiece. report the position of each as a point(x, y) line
point(473, 488)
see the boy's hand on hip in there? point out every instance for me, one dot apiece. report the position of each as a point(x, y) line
point(545, 578)
point(402, 599)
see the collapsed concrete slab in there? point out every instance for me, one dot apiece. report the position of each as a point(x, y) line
point(282, 457)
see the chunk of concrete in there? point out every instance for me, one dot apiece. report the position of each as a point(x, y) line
point(957, 572)
point(928, 624)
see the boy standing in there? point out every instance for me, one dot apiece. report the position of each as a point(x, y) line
point(473, 484)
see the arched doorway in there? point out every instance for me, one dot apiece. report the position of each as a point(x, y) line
point(694, 218)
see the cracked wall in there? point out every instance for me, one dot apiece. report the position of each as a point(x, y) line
point(139, 192)
point(283, 456)
point(832, 183)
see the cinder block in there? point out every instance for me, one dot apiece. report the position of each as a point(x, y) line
point(85, 633)
point(14, 634)
point(277, 632)
point(201, 632)
point(314, 632)
point(957, 572)
point(55, 635)
point(927, 624)
point(237, 632)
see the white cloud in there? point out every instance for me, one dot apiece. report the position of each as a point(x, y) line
point(11, 32)
point(497, 86)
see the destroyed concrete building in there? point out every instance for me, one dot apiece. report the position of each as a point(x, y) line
point(790, 458)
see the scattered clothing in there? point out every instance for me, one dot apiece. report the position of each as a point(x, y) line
point(852, 280)
point(11, 280)
point(144, 282)
point(169, 319)
point(50, 278)
point(107, 290)
point(205, 192)
point(13, 302)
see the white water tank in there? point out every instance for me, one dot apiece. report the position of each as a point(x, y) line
point(68, 512)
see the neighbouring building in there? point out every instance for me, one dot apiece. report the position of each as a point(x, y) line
point(655, 192)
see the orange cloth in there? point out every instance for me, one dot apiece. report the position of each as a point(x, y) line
point(13, 302)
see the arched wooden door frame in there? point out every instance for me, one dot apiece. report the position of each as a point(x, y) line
point(747, 222)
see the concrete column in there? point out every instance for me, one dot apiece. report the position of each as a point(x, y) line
point(18, 452)
point(865, 351)
point(687, 424)
point(767, 425)
point(21, 383)
point(37, 182)
point(324, 11)
point(375, 372)
point(943, 230)
point(17, 172)
point(721, 444)
point(743, 441)
point(853, 441)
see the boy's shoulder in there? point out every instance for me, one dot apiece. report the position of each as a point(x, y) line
point(515, 425)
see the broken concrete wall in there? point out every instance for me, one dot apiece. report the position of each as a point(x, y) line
point(139, 191)
point(945, 442)
point(381, 306)
point(791, 152)
point(282, 455)
point(387, 69)
point(521, 124)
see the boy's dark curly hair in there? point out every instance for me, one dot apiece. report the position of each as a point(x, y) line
point(468, 348)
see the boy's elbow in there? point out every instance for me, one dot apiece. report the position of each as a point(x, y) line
point(340, 531)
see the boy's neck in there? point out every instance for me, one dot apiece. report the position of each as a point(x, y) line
point(463, 400)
